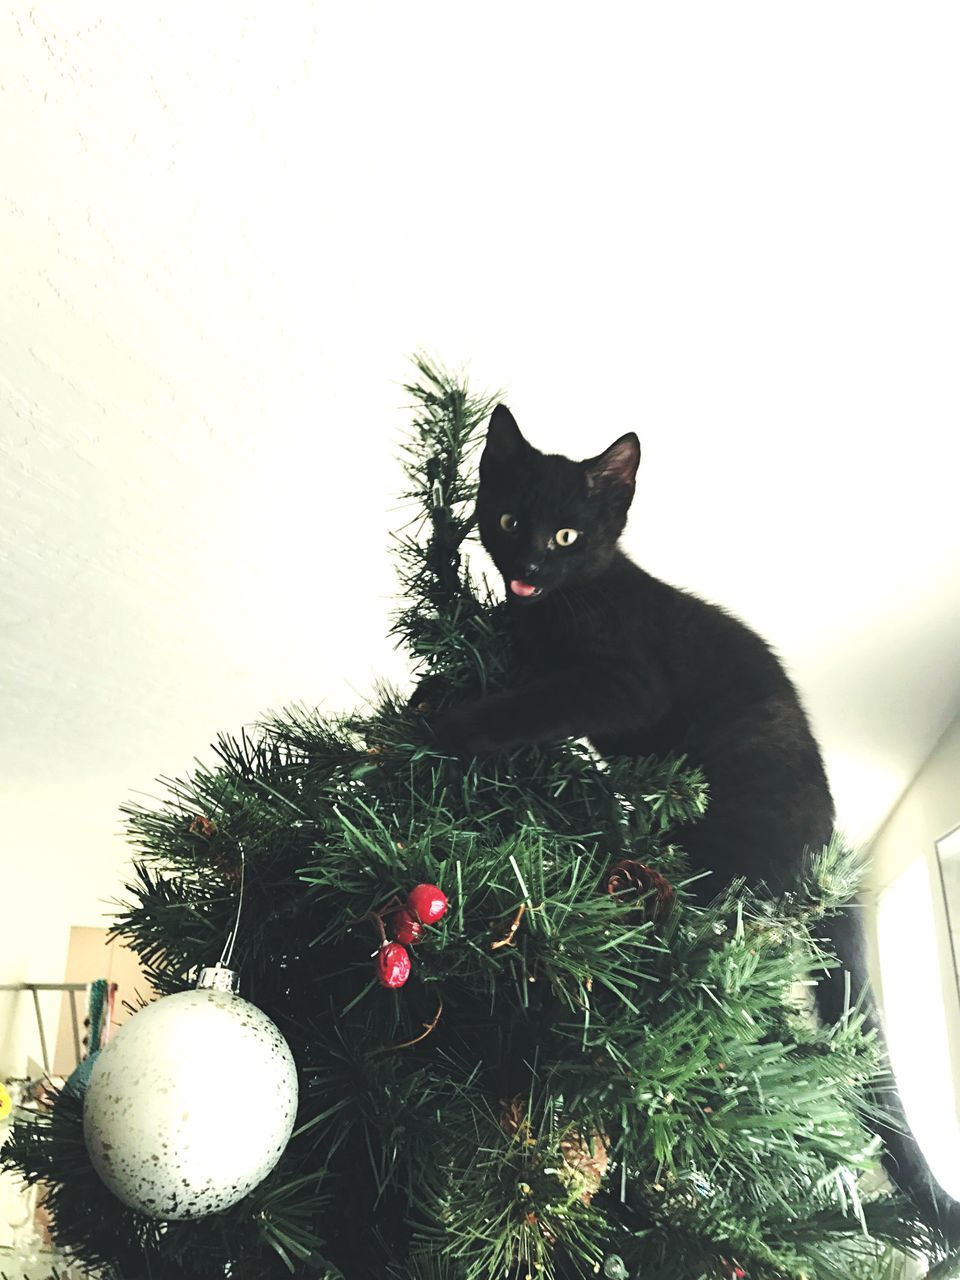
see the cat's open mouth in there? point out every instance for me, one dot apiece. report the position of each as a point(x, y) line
point(524, 589)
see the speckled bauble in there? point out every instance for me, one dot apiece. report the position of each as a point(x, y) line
point(191, 1104)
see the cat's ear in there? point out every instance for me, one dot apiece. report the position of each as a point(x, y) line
point(504, 444)
point(616, 467)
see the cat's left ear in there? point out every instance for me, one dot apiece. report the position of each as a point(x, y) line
point(504, 444)
point(616, 467)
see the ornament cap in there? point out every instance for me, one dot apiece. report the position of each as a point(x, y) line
point(218, 977)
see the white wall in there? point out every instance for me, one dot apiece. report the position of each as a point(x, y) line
point(928, 809)
point(913, 960)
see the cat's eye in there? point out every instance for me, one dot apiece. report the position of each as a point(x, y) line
point(508, 522)
point(566, 537)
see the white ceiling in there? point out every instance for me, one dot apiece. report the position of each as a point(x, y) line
point(731, 228)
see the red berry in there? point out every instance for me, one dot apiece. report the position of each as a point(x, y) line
point(427, 903)
point(406, 928)
point(393, 965)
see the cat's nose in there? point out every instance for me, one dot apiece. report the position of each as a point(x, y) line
point(531, 566)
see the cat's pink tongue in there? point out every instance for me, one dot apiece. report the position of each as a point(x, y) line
point(522, 588)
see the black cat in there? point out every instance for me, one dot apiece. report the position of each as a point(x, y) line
point(613, 654)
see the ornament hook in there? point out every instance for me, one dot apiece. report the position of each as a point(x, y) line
point(226, 955)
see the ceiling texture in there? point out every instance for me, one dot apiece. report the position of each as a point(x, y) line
point(224, 230)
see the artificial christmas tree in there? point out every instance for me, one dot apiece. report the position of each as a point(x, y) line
point(525, 1049)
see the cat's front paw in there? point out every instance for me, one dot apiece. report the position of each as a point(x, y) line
point(462, 731)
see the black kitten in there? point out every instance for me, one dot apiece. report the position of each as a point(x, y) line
point(637, 666)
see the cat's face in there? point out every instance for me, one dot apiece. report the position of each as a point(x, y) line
point(547, 521)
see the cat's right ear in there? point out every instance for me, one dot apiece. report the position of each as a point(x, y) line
point(504, 444)
point(615, 468)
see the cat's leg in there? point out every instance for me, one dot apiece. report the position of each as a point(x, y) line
point(573, 703)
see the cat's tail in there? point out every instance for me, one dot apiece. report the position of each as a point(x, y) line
point(903, 1160)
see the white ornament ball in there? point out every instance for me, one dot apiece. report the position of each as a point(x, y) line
point(190, 1105)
